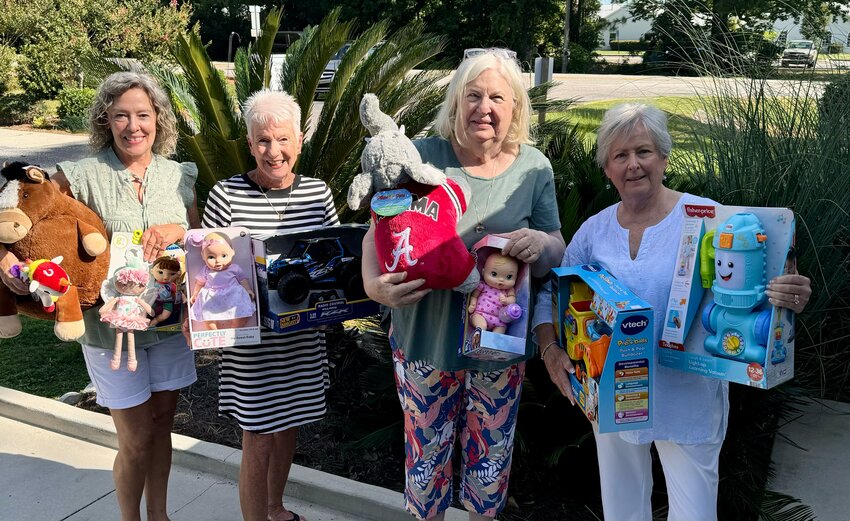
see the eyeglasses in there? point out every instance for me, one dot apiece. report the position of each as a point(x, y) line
point(498, 51)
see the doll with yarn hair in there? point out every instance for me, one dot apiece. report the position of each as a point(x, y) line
point(493, 303)
point(222, 296)
point(127, 312)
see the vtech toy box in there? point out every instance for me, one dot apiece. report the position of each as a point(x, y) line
point(607, 332)
point(308, 279)
point(718, 322)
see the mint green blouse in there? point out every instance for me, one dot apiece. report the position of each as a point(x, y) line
point(104, 184)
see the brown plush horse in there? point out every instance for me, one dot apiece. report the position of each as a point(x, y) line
point(37, 221)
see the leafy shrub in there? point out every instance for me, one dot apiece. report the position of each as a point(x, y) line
point(581, 59)
point(8, 67)
point(75, 102)
point(14, 109)
point(632, 46)
point(43, 114)
point(44, 69)
point(53, 37)
point(834, 48)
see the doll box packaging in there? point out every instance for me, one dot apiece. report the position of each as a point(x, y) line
point(221, 286)
point(164, 289)
point(485, 344)
point(313, 278)
point(718, 322)
point(607, 331)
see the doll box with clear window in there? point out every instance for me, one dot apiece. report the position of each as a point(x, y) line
point(164, 289)
point(221, 288)
point(481, 341)
point(607, 332)
point(718, 322)
point(313, 278)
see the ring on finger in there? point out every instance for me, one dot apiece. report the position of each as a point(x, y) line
point(796, 300)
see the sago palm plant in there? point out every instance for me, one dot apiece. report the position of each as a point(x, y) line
point(213, 135)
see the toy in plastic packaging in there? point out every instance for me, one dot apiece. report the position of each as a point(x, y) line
point(221, 284)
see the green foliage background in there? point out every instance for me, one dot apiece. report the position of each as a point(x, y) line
point(52, 36)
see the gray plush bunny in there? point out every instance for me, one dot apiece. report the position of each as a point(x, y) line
point(388, 159)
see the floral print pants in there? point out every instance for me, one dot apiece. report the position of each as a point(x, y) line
point(482, 407)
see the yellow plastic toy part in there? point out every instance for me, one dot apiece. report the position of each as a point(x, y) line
point(577, 315)
point(706, 259)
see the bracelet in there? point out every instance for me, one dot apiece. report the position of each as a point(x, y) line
point(546, 347)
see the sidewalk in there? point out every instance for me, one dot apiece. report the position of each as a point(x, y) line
point(56, 464)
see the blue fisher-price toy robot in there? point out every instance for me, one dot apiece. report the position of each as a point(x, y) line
point(739, 249)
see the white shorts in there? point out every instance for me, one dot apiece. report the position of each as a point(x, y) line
point(168, 365)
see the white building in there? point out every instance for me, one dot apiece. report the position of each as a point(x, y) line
point(623, 26)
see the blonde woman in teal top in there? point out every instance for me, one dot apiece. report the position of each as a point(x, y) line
point(484, 141)
point(131, 185)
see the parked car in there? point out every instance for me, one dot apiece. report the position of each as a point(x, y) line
point(333, 64)
point(316, 264)
point(800, 52)
point(330, 69)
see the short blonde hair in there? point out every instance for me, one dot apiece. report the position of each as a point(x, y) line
point(267, 106)
point(449, 121)
point(112, 88)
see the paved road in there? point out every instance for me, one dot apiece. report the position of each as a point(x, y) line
point(41, 148)
point(46, 148)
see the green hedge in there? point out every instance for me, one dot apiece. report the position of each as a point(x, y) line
point(75, 102)
point(8, 67)
point(629, 45)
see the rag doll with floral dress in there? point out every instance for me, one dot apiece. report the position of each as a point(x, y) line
point(127, 312)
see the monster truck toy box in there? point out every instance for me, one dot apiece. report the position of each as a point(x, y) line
point(488, 345)
point(607, 331)
point(718, 321)
point(309, 279)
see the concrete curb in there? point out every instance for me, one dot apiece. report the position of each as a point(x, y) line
point(342, 494)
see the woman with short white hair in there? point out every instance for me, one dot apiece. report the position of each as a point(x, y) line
point(633, 240)
point(272, 389)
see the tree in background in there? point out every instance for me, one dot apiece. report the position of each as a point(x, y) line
point(733, 27)
point(51, 36)
point(530, 27)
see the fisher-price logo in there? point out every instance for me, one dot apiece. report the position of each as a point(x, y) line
point(696, 210)
point(593, 268)
point(634, 325)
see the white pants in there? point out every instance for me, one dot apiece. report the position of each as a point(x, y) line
point(625, 470)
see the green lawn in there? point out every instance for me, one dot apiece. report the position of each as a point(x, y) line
point(683, 113)
point(37, 362)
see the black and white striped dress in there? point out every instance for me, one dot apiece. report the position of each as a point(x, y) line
point(281, 384)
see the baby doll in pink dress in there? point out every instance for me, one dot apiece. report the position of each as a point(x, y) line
point(494, 292)
point(222, 296)
point(127, 312)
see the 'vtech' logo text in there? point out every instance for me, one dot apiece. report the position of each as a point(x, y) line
point(634, 325)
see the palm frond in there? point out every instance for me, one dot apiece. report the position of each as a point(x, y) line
point(307, 57)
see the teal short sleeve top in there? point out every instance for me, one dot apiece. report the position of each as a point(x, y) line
point(105, 185)
point(523, 196)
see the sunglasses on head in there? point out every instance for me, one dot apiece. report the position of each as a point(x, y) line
point(498, 51)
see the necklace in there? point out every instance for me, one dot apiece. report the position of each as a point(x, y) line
point(479, 228)
point(280, 215)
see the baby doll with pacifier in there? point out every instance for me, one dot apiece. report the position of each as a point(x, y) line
point(222, 296)
point(492, 305)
